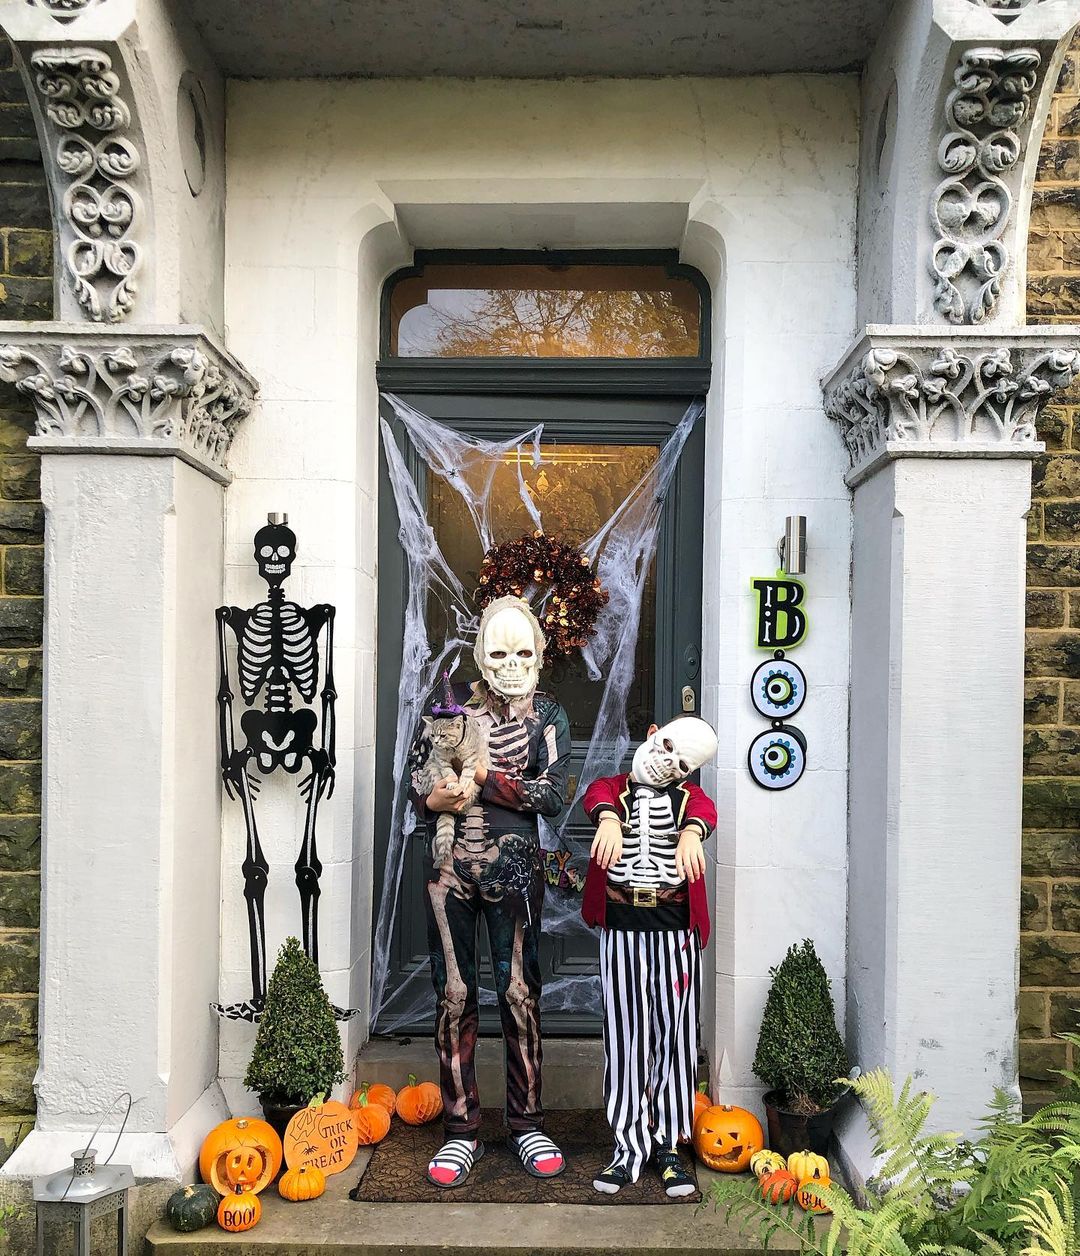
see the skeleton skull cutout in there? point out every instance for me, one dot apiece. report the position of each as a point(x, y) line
point(509, 648)
point(275, 549)
point(671, 753)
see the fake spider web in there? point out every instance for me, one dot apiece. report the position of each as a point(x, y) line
point(621, 550)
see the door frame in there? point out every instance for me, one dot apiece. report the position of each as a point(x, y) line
point(589, 378)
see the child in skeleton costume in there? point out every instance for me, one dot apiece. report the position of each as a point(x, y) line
point(645, 888)
point(495, 871)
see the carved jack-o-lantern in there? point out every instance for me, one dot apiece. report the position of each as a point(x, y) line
point(725, 1138)
point(243, 1167)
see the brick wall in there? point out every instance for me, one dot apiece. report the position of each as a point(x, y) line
point(1050, 900)
point(25, 292)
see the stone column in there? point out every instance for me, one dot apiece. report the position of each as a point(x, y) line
point(941, 428)
point(133, 428)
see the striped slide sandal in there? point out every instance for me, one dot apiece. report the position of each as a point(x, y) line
point(453, 1162)
point(538, 1154)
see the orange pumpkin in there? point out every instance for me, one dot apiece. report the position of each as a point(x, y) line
point(418, 1103)
point(239, 1211)
point(235, 1135)
point(384, 1096)
point(323, 1134)
point(807, 1196)
point(242, 1167)
point(778, 1186)
point(701, 1100)
point(726, 1137)
point(372, 1122)
point(302, 1183)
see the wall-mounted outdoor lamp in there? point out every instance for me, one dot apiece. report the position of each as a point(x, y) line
point(792, 545)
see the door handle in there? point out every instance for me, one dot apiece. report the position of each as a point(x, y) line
point(689, 699)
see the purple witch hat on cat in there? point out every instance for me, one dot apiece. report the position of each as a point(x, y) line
point(449, 706)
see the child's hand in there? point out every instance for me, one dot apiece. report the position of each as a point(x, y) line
point(607, 844)
point(690, 855)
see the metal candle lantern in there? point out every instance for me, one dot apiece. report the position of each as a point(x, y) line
point(86, 1191)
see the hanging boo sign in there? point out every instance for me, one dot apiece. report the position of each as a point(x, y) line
point(776, 758)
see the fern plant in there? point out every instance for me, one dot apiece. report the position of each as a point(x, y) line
point(1012, 1191)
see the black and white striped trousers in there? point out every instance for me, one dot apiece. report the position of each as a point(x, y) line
point(651, 983)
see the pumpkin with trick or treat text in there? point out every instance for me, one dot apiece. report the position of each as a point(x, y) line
point(230, 1136)
point(384, 1096)
point(778, 1186)
point(765, 1161)
point(301, 1184)
point(323, 1134)
point(239, 1211)
point(418, 1103)
point(808, 1198)
point(372, 1122)
point(726, 1137)
point(807, 1164)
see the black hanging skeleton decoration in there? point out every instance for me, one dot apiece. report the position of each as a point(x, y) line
point(277, 654)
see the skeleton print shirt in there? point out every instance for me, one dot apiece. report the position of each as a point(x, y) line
point(528, 744)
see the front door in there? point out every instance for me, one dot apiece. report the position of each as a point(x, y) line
point(595, 449)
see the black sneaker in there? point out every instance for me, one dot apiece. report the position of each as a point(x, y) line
point(677, 1182)
point(611, 1180)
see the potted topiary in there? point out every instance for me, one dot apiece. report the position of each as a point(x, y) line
point(297, 1049)
point(800, 1054)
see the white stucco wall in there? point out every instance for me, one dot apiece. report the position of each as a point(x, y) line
point(330, 187)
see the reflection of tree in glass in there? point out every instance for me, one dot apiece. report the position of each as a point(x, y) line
point(543, 323)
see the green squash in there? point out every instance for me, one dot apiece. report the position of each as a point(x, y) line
point(192, 1207)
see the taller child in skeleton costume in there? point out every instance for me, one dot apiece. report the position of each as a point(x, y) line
point(645, 889)
point(495, 872)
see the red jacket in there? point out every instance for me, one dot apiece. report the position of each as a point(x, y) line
point(690, 805)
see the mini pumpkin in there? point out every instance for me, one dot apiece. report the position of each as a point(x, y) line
point(726, 1137)
point(323, 1134)
point(778, 1186)
point(230, 1136)
point(384, 1096)
point(418, 1103)
point(239, 1211)
point(701, 1100)
point(807, 1196)
point(242, 1167)
point(192, 1207)
point(806, 1164)
point(372, 1122)
point(302, 1183)
point(765, 1161)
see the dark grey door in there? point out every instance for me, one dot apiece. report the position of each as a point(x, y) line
point(595, 450)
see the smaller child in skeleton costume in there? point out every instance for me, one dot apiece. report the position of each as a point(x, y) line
point(645, 888)
point(494, 871)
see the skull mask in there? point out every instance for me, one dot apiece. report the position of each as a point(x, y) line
point(509, 648)
point(671, 753)
point(275, 549)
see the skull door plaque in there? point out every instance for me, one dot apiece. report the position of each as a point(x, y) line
point(277, 662)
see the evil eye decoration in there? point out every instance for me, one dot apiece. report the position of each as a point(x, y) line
point(777, 757)
point(778, 687)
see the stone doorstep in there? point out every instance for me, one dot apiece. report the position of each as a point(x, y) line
point(337, 1225)
point(573, 1068)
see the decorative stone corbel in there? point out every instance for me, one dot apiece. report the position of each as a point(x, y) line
point(161, 391)
point(931, 392)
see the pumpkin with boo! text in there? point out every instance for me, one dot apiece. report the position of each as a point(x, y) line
point(235, 1135)
point(726, 1137)
point(301, 1184)
point(384, 1096)
point(323, 1134)
point(778, 1186)
point(418, 1103)
point(192, 1207)
point(239, 1211)
point(807, 1197)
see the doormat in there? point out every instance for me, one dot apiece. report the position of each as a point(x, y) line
point(397, 1171)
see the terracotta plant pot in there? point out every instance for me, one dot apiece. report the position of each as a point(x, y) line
point(279, 1114)
point(797, 1131)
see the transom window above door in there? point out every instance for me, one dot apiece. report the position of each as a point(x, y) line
point(502, 308)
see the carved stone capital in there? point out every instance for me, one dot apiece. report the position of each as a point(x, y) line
point(929, 392)
point(161, 390)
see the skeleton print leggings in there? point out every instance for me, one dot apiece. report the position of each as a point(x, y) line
point(651, 984)
point(455, 902)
